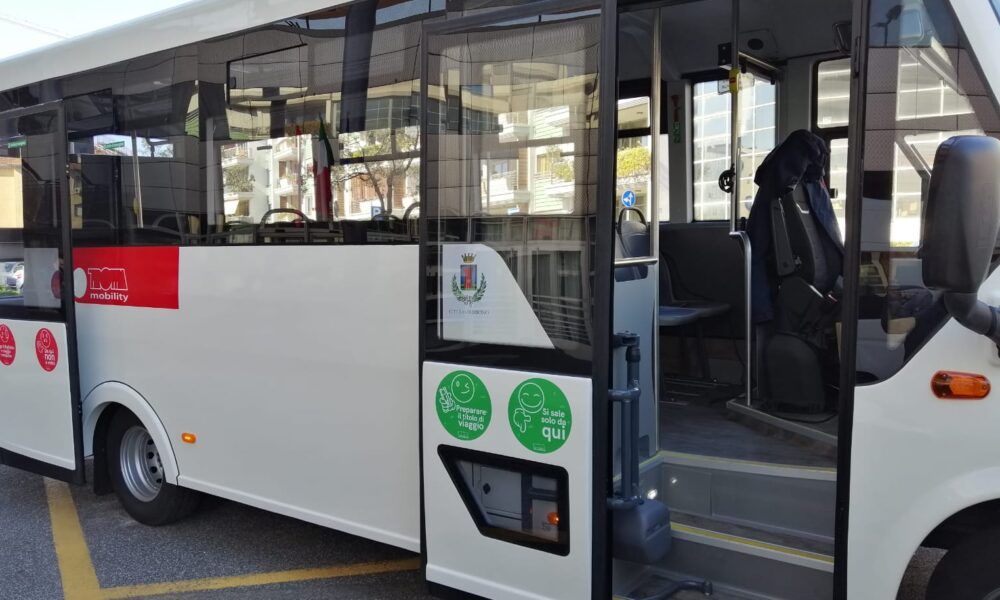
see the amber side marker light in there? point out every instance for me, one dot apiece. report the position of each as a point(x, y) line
point(954, 385)
point(189, 438)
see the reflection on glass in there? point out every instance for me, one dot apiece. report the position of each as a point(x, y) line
point(923, 88)
point(513, 171)
point(30, 231)
point(712, 154)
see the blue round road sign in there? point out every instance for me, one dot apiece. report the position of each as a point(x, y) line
point(628, 198)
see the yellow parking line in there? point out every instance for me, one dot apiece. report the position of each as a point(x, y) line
point(256, 579)
point(79, 580)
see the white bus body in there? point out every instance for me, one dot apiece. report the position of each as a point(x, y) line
point(439, 383)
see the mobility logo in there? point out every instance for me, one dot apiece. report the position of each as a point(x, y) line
point(140, 276)
point(107, 283)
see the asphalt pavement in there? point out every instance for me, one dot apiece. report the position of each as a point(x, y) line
point(59, 541)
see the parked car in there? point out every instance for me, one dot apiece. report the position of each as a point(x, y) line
point(13, 275)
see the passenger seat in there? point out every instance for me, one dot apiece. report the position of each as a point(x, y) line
point(634, 241)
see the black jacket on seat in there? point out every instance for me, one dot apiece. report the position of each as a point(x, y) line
point(793, 174)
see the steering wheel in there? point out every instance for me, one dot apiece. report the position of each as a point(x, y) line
point(726, 180)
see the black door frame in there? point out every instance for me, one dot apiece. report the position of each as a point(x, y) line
point(602, 478)
point(68, 316)
point(849, 311)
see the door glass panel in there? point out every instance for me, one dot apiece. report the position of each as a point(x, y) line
point(30, 232)
point(512, 182)
point(923, 88)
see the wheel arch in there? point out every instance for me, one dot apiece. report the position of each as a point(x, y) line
point(99, 407)
point(941, 516)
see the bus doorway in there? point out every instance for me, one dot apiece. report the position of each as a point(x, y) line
point(40, 427)
point(735, 429)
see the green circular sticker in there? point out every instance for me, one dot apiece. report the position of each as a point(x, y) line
point(463, 405)
point(539, 415)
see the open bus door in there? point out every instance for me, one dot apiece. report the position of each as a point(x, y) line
point(40, 427)
point(517, 258)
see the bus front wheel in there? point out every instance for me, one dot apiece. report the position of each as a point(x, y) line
point(137, 475)
point(968, 570)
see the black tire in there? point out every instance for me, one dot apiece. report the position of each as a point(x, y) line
point(171, 503)
point(969, 570)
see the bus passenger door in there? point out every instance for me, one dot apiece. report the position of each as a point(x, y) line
point(515, 350)
point(40, 427)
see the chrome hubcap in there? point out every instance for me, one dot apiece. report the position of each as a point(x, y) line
point(140, 464)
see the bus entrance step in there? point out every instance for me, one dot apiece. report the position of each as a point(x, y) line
point(747, 567)
point(780, 499)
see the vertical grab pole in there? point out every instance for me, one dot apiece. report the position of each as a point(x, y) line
point(734, 118)
point(734, 209)
point(656, 146)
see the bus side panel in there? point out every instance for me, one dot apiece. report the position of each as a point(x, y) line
point(917, 459)
point(295, 367)
point(36, 411)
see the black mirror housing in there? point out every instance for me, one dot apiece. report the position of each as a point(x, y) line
point(962, 215)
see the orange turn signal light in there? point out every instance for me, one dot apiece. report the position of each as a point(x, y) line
point(189, 438)
point(553, 518)
point(955, 385)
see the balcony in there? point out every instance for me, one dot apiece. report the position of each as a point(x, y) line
point(236, 156)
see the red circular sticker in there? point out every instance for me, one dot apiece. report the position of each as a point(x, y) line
point(8, 347)
point(46, 349)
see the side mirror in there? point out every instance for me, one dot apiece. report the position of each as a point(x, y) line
point(960, 228)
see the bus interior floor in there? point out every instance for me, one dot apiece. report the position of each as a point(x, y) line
point(711, 428)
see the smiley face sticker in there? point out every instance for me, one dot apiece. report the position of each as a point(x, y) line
point(539, 415)
point(463, 405)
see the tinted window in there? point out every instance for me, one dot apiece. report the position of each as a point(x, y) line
point(922, 88)
point(30, 221)
point(512, 145)
point(313, 137)
point(133, 152)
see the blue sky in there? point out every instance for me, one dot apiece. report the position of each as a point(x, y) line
point(27, 25)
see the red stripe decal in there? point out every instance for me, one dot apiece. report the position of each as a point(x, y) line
point(135, 276)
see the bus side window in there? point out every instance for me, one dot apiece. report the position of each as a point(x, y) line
point(133, 153)
point(296, 153)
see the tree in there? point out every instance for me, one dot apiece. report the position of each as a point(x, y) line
point(237, 179)
point(560, 168)
point(382, 158)
point(633, 164)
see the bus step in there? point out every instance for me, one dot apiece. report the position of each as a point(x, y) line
point(740, 566)
point(779, 499)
